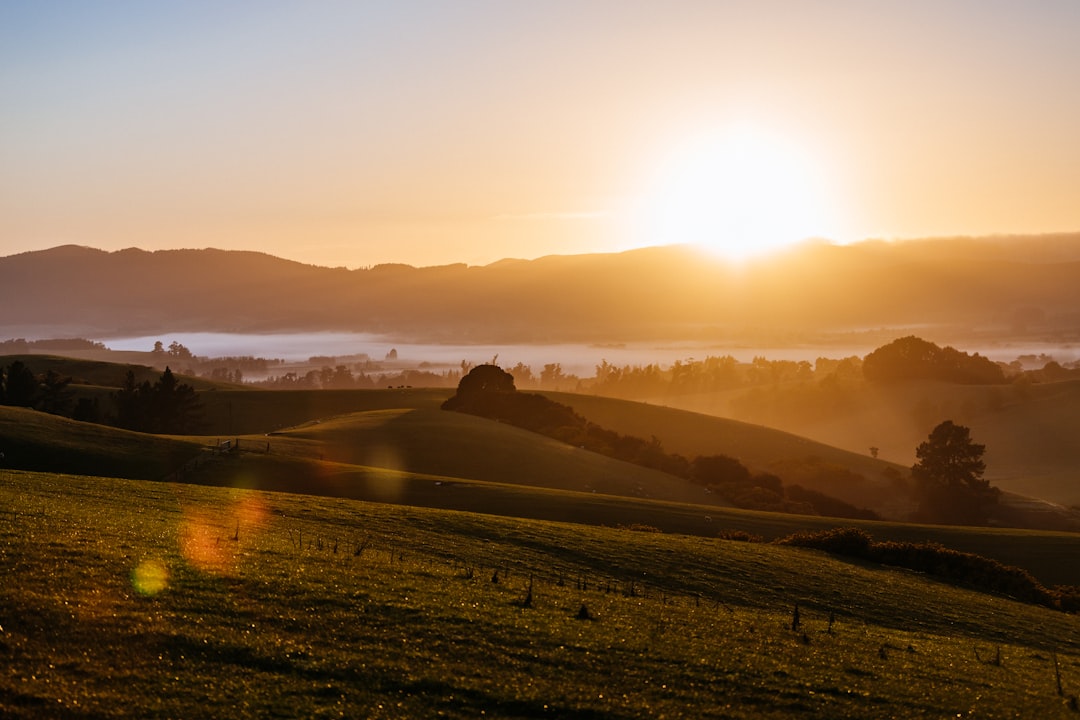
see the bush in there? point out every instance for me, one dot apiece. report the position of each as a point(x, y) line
point(739, 536)
point(968, 569)
point(848, 541)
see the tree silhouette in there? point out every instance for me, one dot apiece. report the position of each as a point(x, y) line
point(21, 385)
point(912, 358)
point(709, 470)
point(55, 396)
point(949, 477)
point(486, 379)
point(167, 406)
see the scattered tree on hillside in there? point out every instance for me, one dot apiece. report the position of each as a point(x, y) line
point(167, 406)
point(949, 477)
point(712, 470)
point(55, 396)
point(20, 386)
point(178, 351)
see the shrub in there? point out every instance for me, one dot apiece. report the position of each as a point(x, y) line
point(848, 541)
point(968, 569)
point(739, 536)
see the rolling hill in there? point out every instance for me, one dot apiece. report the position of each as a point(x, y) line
point(409, 440)
point(135, 599)
point(401, 450)
point(1029, 429)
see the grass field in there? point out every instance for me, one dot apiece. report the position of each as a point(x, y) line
point(134, 599)
point(420, 457)
point(365, 554)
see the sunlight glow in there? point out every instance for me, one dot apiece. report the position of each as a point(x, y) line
point(739, 193)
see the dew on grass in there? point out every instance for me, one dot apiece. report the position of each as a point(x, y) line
point(150, 577)
point(252, 512)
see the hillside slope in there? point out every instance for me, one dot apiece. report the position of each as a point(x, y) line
point(1029, 429)
point(463, 446)
point(131, 599)
point(31, 440)
point(795, 459)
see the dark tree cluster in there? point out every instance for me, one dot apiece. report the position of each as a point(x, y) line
point(912, 358)
point(167, 406)
point(176, 350)
point(489, 391)
point(48, 392)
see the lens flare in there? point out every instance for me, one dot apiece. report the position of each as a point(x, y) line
point(150, 577)
point(201, 544)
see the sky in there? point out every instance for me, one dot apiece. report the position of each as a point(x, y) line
point(430, 132)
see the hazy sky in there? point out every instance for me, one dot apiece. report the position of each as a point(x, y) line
point(355, 133)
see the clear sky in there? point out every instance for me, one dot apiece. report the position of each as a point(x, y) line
point(356, 133)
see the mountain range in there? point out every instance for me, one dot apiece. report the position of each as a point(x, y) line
point(1010, 285)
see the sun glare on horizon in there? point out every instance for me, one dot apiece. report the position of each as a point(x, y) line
point(739, 194)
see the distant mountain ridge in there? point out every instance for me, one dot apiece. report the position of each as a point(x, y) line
point(1017, 284)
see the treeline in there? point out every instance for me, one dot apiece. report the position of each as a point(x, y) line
point(21, 346)
point(48, 392)
point(165, 406)
point(489, 391)
point(342, 377)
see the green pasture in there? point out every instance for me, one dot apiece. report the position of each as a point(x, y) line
point(425, 458)
point(138, 599)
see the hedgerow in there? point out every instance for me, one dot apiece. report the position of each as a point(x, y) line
point(963, 568)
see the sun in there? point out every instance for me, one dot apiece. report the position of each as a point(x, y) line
point(739, 193)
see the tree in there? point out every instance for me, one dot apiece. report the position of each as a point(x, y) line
point(130, 410)
point(167, 406)
point(22, 385)
point(552, 374)
point(177, 350)
point(949, 477)
point(712, 470)
point(55, 396)
point(486, 379)
point(175, 407)
point(912, 358)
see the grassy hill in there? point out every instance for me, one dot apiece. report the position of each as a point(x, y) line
point(35, 440)
point(97, 373)
point(249, 412)
point(692, 433)
point(685, 433)
point(463, 446)
point(443, 460)
point(1029, 429)
point(134, 599)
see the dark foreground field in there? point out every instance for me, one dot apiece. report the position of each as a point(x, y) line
point(133, 599)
